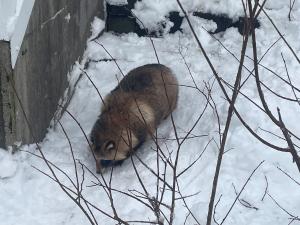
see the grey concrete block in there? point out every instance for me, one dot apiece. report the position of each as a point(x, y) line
point(7, 107)
point(55, 38)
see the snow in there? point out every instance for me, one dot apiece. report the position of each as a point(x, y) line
point(8, 166)
point(97, 27)
point(151, 12)
point(8, 13)
point(117, 2)
point(29, 197)
point(14, 17)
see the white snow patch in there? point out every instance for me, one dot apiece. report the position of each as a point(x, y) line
point(53, 17)
point(117, 2)
point(68, 17)
point(152, 12)
point(14, 17)
point(9, 11)
point(8, 166)
point(97, 27)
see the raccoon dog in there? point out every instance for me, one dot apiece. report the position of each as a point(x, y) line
point(131, 113)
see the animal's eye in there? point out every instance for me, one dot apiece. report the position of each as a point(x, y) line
point(110, 145)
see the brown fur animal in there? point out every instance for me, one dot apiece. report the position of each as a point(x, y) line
point(132, 111)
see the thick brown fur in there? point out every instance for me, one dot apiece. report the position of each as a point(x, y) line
point(132, 111)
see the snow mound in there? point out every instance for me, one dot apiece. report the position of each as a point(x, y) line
point(8, 166)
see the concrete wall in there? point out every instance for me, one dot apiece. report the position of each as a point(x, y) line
point(55, 38)
point(4, 55)
point(7, 107)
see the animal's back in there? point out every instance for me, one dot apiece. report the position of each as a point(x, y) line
point(153, 85)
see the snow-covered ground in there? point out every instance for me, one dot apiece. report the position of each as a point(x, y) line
point(28, 197)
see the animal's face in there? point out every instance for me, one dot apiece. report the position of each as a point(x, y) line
point(106, 145)
point(111, 141)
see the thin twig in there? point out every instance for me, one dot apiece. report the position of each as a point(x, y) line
point(242, 189)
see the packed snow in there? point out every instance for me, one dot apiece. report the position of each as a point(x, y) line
point(9, 12)
point(30, 197)
point(14, 17)
point(117, 2)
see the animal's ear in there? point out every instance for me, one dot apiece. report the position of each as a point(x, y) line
point(110, 145)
